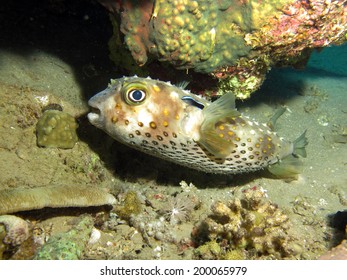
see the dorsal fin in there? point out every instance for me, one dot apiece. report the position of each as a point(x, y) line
point(182, 84)
point(224, 104)
point(218, 111)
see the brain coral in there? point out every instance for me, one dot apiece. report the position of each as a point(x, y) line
point(229, 38)
point(189, 34)
point(56, 129)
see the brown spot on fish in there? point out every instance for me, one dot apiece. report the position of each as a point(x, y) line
point(114, 119)
point(153, 125)
point(140, 124)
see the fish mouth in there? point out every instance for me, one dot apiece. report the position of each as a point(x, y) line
point(97, 104)
point(94, 116)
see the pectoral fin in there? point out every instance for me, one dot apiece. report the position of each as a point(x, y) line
point(215, 113)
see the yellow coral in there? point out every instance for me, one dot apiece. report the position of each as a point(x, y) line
point(250, 224)
point(130, 206)
point(56, 129)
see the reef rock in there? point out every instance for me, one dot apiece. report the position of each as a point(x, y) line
point(17, 230)
point(235, 41)
point(337, 253)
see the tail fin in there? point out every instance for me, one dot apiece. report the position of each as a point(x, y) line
point(291, 165)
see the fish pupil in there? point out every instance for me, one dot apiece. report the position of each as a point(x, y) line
point(136, 95)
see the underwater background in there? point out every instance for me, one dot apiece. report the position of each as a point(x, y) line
point(55, 54)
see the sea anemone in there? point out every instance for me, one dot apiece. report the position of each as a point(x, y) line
point(177, 209)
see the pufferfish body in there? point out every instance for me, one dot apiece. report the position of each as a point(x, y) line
point(171, 123)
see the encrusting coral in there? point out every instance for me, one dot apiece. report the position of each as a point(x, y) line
point(131, 205)
point(55, 196)
point(235, 41)
point(69, 245)
point(248, 227)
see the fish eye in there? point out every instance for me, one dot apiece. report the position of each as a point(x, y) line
point(136, 95)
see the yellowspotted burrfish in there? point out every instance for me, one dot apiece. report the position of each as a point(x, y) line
point(171, 123)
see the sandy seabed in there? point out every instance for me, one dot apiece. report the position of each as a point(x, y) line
point(43, 63)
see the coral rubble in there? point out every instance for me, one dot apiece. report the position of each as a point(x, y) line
point(247, 227)
point(15, 200)
point(236, 41)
